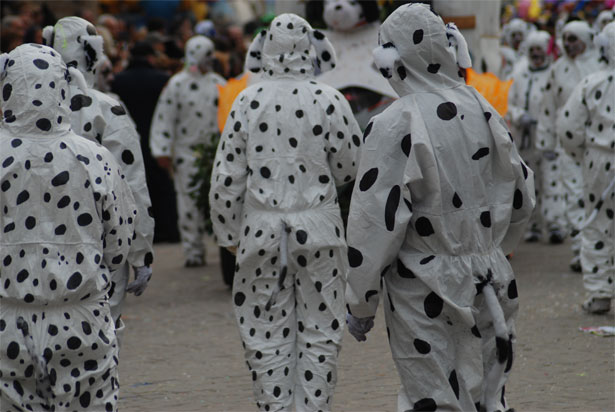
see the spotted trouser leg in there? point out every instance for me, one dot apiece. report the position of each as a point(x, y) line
point(77, 340)
point(268, 337)
point(191, 227)
point(572, 183)
point(320, 312)
point(190, 219)
point(598, 253)
point(552, 200)
point(441, 360)
point(119, 281)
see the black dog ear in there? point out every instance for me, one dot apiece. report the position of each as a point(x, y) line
point(371, 12)
point(314, 10)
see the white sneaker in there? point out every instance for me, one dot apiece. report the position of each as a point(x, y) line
point(597, 306)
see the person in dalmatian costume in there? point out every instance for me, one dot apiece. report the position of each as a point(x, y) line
point(186, 115)
point(524, 100)
point(587, 127)
point(605, 17)
point(67, 221)
point(353, 32)
point(513, 57)
point(581, 59)
point(442, 196)
point(99, 118)
point(287, 143)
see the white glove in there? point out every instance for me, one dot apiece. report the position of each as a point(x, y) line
point(526, 120)
point(358, 327)
point(142, 276)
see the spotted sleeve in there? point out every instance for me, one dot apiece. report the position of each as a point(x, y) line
point(523, 199)
point(228, 179)
point(123, 141)
point(546, 139)
point(118, 214)
point(162, 132)
point(380, 212)
point(344, 142)
point(571, 125)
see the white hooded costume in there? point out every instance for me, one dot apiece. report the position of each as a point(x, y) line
point(524, 98)
point(287, 143)
point(442, 197)
point(186, 115)
point(67, 221)
point(588, 129)
point(564, 75)
point(99, 118)
point(514, 60)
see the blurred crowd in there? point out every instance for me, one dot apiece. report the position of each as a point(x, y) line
point(165, 26)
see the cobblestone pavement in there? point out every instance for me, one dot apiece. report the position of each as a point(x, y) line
point(181, 350)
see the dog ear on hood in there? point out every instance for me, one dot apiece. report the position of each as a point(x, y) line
point(386, 57)
point(326, 57)
point(254, 61)
point(460, 45)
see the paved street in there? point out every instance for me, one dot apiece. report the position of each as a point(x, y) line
point(181, 350)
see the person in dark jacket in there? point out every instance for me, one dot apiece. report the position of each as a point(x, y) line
point(139, 86)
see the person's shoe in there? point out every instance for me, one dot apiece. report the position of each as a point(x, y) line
point(597, 306)
point(575, 264)
point(556, 237)
point(194, 262)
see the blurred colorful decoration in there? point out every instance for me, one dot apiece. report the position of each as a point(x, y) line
point(535, 10)
point(491, 88)
point(227, 95)
point(523, 8)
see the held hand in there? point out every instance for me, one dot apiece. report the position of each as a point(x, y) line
point(358, 327)
point(232, 249)
point(142, 277)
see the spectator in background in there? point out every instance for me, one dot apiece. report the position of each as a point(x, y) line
point(139, 87)
point(13, 31)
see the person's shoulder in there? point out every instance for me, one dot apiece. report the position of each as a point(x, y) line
point(108, 105)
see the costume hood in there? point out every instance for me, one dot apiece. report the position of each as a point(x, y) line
point(515, 25)
point(583, 31)
point(418, 52)
point(34, 92)
point(198, 48)
point(79, 44)
point(537, 38)
point(606, 42)
point(283, 50)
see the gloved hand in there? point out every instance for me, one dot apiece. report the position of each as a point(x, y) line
point(549, 155)
point(142, 276)
point(526, 120)
point(358, 327)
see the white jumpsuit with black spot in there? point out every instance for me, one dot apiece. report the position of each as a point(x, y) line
point(100, 118)
point(441, 197)
point(287, 143)
point(589, 132)
point(66, 222)
point(564, 75)
point(185, 116)
point(524, 97)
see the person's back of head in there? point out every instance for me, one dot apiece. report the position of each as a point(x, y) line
point(35, 91)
